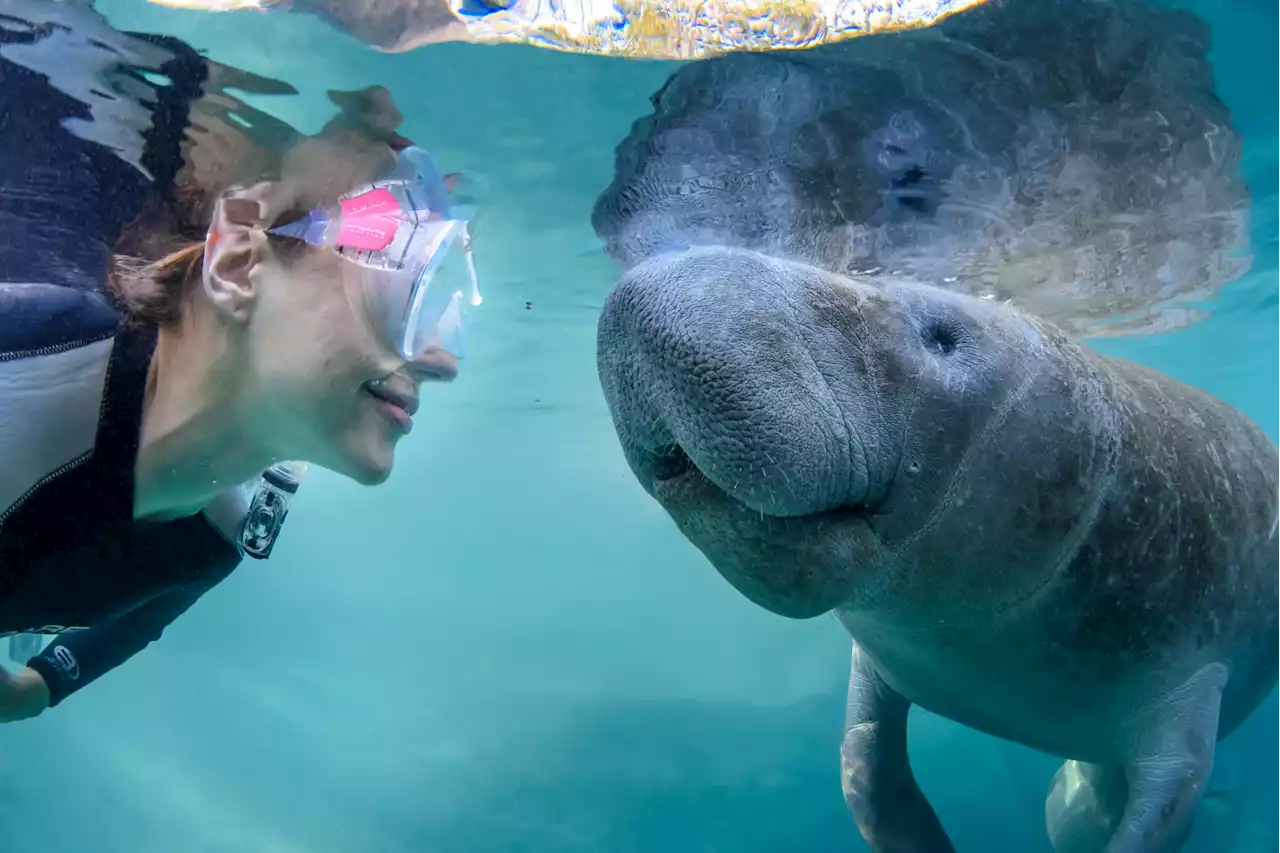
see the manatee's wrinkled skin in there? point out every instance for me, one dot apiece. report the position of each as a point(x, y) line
point(1067, 156)
point(1064, 550)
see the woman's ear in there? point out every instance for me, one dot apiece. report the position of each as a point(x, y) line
point(236, 243)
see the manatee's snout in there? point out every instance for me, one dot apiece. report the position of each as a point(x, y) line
point(802, 427)
point(720, 364)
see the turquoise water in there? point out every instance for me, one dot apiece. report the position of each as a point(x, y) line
point(508, 647)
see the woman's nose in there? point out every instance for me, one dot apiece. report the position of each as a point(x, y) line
point(434, 365)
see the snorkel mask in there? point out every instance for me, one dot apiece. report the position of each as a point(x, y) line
point(408, 228)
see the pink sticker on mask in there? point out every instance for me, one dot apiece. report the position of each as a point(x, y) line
point(371, 203)
point(369, 220)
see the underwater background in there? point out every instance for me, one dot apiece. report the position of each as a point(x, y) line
point(508, 646)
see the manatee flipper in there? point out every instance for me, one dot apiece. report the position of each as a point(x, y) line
point(879, 787)
point(1172, 748)
point(1086, 803)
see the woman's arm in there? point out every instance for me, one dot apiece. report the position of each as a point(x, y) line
point(77, 658)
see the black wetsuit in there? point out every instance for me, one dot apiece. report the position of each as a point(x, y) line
point(73, 561)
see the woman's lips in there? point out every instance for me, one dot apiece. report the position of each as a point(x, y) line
point(397, 407)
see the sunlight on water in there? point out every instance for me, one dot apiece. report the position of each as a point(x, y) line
point(508, 647)
point(686, 29)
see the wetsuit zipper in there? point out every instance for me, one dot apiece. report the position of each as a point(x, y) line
point(53, 350)
point(42, 482)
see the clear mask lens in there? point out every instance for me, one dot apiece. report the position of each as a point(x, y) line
point(442, 294)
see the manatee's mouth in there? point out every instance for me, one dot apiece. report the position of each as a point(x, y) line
point(673, 474)
point(797, 565)
point(670, 463)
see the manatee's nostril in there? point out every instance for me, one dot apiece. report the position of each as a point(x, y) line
point(910, 176)
point(670, 462)
point(941, 338)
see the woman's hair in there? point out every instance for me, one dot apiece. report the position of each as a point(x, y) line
point(160, 257)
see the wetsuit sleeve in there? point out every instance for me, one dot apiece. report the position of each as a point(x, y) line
point(77, 658)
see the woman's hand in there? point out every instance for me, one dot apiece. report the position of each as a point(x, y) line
point(23, 694)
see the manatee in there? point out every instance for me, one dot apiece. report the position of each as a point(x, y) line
point(1066, 156)
point(805, 368)
point(1068, 551)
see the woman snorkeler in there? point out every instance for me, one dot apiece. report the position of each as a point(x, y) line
point(165, 341)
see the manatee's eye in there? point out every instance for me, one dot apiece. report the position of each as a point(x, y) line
point(941, 336)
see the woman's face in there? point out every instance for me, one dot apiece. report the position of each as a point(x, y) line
point(329, 382)
point(327, 385)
